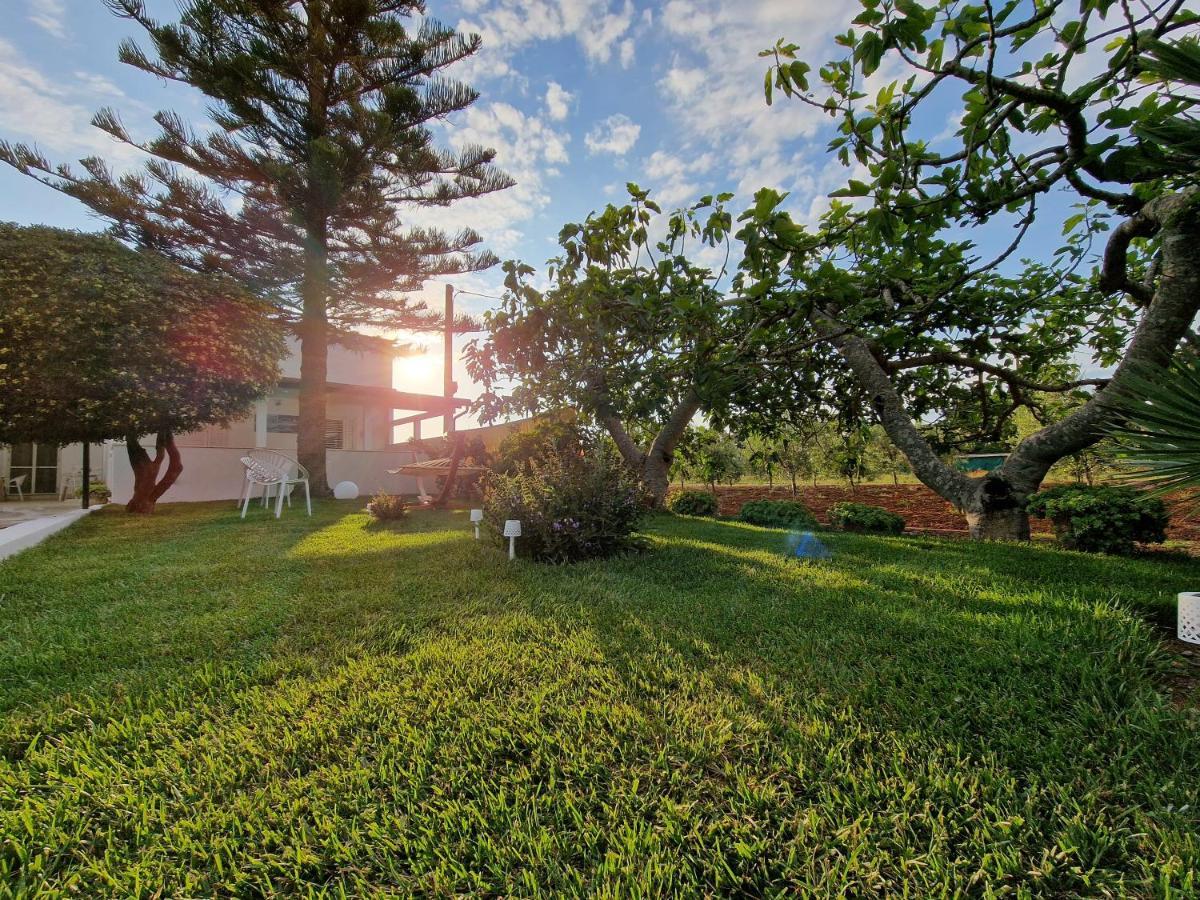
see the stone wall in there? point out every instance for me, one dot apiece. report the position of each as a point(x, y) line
point(922, 510)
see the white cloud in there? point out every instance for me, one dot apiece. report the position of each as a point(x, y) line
point(713, 85)
point(597, 26)
point(56, 115)
point(617, 134)
point(527, 149)
point(558, 101)
point(49, 15)
point(627, 53)
point(671, 176)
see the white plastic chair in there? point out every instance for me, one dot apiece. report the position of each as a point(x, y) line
point(16, 484)
point(273, 470)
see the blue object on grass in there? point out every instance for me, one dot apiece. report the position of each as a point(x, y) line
point(809, 546)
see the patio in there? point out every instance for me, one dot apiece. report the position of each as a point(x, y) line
point(13, 512)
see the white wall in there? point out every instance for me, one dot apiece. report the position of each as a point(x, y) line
point(345, 366)
point(212, 473)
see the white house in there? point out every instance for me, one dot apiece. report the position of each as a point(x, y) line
point(361, 417)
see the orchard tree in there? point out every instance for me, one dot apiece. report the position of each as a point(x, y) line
point(101, 342)
point(897, 278)
point(629, 331)
point(319, 145)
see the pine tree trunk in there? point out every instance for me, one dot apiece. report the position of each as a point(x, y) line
point(147, 488)
point(314, 362)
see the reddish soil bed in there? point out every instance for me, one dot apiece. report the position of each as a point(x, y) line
point(922, 510)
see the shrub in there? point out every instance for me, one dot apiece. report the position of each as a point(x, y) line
point(693, 503)
point(387, 507)
point(571, 505)
point(861, 517)
point(777, 514)
point(1101, 519)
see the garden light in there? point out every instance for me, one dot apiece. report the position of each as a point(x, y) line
point(1189, 617)
point(476, 518)
point(512, 531)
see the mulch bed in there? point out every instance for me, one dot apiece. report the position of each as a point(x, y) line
point(923, 511)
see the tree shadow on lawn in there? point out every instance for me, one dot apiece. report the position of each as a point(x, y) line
point(662, 707)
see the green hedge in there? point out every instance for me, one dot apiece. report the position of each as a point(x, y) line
point(693, 503)
point(777, 514)
point(861, 517)
point(1101, 519)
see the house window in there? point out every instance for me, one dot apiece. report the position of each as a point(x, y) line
point(278, 423)
point(333, 434)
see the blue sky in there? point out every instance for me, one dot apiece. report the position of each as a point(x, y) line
point(577, 96)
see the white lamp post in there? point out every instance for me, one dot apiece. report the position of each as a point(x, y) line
point(476, 518)
point(512, 531)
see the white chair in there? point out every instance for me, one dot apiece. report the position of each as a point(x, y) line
point(15, 484)
point(273, 471)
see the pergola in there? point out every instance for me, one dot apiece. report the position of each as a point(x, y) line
point(448, 467)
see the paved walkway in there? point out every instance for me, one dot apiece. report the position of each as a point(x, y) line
point(14, 511)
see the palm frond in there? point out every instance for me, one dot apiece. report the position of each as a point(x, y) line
point(1159, 439)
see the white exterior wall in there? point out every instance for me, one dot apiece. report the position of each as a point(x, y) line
point(345, 366)
point(211, 456)
point(213, 473)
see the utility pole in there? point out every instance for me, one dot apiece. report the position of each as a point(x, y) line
point(450, 388)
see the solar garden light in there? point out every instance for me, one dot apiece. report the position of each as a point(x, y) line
point(1189, 617)
point(476, 518)
point(512, 531)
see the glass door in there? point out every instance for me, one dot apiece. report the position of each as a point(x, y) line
point(38, 463)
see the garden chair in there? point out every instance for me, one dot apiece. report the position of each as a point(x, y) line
point(276, 472)
point(11, 484)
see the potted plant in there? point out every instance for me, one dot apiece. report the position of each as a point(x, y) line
point(99, 492)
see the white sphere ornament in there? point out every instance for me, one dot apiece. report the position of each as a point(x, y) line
point(345, 490)
point(512, 531)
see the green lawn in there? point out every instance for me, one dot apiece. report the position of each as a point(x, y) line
point(192, 705)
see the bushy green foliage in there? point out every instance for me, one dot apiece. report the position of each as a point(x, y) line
point(864, 518)
point(385, 507)
point(548, 437)
point(1101, 519)
point(777, 514)
point(571, 505)
point(99, 341)
point(693, 503)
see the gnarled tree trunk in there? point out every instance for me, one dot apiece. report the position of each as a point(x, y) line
point(147, 487)
point(994, 505)
point(653, 466)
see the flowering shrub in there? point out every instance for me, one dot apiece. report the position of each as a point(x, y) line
point(777, 514)
point(861, 517)
point(1101, 519)
point(693, 503)
point(387, 507)
point(571, 506)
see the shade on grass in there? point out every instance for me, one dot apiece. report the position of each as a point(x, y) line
point(203, 706)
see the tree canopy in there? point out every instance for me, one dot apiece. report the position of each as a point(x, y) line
point(912, 276)
point(98, 341)
point(320, 146)
point(631, 329)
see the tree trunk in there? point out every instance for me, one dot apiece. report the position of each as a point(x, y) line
point(653, 466)
point(147, 488)
point(314, 288)
point(314, 361)
point(995, 505)
point(656, 477)
point(995, 509)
